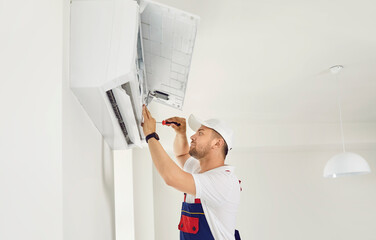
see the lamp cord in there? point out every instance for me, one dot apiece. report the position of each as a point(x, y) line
point(340, 114)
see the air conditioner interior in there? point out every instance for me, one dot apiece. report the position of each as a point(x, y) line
point(119, 117)
point(137, 115)
point(128, 118)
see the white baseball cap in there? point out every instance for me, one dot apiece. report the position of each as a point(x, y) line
point(218, 125)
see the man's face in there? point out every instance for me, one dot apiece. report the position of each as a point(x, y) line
point(200, 145)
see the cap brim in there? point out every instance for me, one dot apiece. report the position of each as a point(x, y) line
point(194, 123)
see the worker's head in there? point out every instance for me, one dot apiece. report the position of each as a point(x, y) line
point(207, 141)
point(212, 136)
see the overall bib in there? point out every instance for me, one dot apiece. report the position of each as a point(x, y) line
point(193, 224)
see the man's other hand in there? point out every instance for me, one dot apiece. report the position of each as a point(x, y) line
point(182, 129)
point(149, 122)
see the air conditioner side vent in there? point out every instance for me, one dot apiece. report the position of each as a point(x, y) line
point(115, 107)
point(128, 91)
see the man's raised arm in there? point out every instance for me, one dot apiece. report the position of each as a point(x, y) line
point(181, 146)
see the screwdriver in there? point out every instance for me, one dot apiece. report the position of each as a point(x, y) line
point(164, 122)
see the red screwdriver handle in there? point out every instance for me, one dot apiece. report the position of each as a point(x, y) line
point(164, 122)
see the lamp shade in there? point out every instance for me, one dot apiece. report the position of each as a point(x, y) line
point(346, 163)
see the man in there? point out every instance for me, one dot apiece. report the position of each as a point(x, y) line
point(211, 189)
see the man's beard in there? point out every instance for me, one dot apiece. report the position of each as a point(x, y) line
point(198, 154)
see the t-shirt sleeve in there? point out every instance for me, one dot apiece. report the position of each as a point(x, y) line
point(213, 187)
point(191, 164)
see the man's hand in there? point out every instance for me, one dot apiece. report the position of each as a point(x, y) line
point(182, 129)
point(149, 122)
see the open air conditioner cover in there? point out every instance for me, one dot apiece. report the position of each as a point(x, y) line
point(122, 56)
point(168, 37)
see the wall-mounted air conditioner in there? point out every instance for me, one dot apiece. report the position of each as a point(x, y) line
point(124, 54)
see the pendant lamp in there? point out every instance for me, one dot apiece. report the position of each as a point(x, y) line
point(346, 163)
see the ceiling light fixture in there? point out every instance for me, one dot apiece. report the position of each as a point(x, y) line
point(346, 163)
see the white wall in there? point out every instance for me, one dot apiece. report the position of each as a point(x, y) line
point(56, 173)
point(124, 208)
point(88, 184)
point(167, 206)
point(143, 194)
point(285, 197)
point(31, 120)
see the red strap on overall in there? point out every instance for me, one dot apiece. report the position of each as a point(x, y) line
point(197, 200)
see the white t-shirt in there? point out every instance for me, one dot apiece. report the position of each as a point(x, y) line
point(219, 191)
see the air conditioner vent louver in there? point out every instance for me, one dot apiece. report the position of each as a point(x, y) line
point(128, 91)
point(115, 107)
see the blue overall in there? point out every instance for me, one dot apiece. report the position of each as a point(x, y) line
point(193, 224)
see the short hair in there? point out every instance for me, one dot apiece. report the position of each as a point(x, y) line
point(215, 134)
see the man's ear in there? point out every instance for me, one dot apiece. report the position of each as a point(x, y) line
point(219, 142)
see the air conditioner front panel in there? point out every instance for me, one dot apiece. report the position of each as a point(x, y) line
point(103, 42)
point(90, 37)
point(168, 37)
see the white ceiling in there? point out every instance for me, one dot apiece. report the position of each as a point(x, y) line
point(265, 61)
